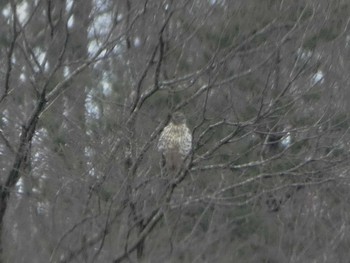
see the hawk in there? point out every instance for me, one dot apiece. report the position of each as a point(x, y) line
point(175, 142)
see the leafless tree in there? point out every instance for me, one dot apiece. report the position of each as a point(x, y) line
point(87, 87)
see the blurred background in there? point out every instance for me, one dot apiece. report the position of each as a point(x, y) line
point(87, 86)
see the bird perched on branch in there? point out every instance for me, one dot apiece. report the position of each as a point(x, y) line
point(175, 142)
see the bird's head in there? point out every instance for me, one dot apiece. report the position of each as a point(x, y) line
point(178, 118)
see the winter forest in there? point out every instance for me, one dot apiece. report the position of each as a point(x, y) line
point(87, 88)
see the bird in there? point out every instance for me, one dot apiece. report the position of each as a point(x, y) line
point(175, 142)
